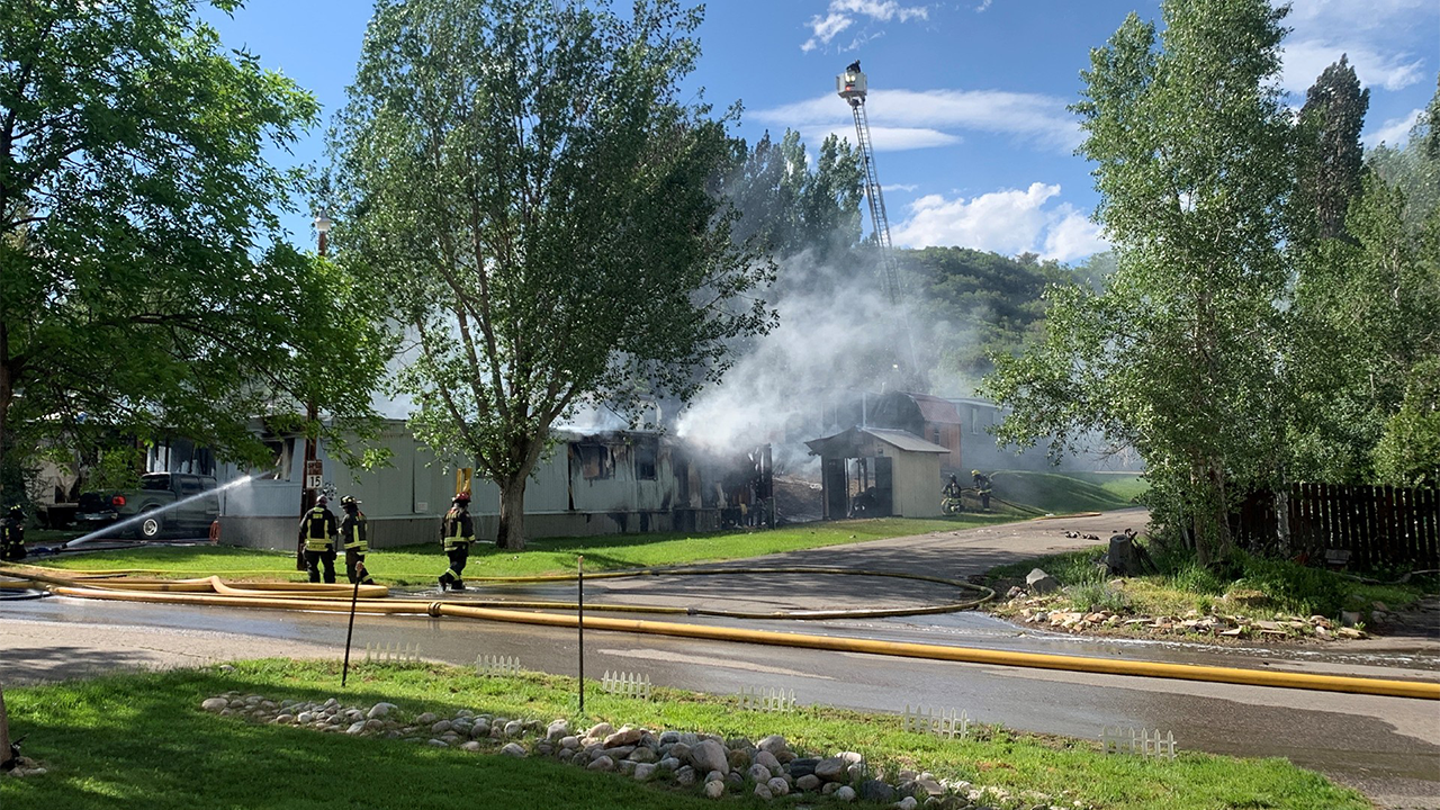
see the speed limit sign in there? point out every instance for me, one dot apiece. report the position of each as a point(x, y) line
point(314, 474)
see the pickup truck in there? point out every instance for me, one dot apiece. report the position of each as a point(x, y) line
point(164, 503)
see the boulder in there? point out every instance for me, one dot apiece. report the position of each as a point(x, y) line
point(625, 736)
point(710, 756)
point(1037, 581)
point(873, 790)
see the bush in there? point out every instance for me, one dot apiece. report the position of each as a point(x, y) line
point(1298, 588)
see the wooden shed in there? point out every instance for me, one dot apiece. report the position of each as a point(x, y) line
point(876, 472)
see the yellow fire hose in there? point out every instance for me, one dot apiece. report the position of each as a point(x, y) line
point(317, 598)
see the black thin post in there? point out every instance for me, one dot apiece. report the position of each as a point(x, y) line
point(354, 597)
point(580, 626)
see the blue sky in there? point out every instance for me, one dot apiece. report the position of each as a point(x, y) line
point(967, 99)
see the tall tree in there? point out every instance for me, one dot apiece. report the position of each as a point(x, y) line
point(525, 181)
point(1177, 356)
point(792, 206)
point(1330, 154)
point(143, 285)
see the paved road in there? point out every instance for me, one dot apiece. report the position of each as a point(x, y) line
point(1386, 746)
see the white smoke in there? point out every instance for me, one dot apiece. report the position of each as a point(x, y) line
point(836, 336)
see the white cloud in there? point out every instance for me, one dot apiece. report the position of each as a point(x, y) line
point(885, 139)
point(1010, 221)
point(1394, 132)
point(906, 187)
point(825, 29)
point(1389, 42)
point(1305, 60)
point(1032, 116)
point(841, 14)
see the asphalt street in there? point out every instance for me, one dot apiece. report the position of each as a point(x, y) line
point(1388, 747)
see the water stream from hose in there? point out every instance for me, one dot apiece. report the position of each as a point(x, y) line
point(113, 529)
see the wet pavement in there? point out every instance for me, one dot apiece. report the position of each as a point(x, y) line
point(1388, 747)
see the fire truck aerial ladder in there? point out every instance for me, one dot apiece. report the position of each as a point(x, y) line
point(851, 87)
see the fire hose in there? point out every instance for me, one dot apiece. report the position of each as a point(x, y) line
point(333, 598)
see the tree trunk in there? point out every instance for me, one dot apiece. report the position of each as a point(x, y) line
point(511, 534)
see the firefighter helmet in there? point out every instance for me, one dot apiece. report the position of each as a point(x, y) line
point(321, 501)
point(16, 511)
point(974, 472)
point(463, 497)
point(349, 500)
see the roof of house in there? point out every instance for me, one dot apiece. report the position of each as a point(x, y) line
point(936, 410)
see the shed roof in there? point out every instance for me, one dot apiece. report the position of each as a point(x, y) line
point(841, 443)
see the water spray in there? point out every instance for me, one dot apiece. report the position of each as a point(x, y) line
point(114, 528)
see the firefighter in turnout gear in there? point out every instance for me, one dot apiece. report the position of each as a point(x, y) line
point(457, 532)
point(12, 535)
point(354, 534)
point(319, 529)
point(982, 487)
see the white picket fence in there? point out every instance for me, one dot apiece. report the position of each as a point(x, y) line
point(1118, 740)
point(392, 652)
point(626, 684)
point(766, 699)
point(942, 723)
point(487, 665)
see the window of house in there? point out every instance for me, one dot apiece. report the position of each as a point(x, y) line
point(647, 451)
point(596, 461)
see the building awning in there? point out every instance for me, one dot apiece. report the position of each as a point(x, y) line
point(845, 444)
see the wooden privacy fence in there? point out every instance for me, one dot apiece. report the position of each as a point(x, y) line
point(1370, 527)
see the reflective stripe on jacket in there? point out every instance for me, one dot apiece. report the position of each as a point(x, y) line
point(354, 532)
point(458, 530)
point(318, 528)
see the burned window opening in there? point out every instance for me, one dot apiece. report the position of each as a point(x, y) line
point(646, 453)
point(597, 461)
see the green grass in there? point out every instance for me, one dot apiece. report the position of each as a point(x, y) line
point(142, 741)
point(417, 565)
point(1064, 493)
point(1270, 587)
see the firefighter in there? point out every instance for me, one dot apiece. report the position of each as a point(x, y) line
point(950, 497)
point(319, 529)
point(12, 535)
point(457, 532)
point(354, 534)
point(982, 486)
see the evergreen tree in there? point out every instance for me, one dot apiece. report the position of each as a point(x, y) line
point(1330, 154)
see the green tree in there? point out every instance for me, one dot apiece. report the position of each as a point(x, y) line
point(791, 207)
point(143, 286)
point(1330, 154)
point(1414, 168)
point(1178, 356)
point(526, 183)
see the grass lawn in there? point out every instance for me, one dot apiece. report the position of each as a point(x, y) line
point(142, 741)
point(1063, 493)
point(420, 565)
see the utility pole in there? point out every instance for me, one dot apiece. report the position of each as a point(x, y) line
point(311, 469)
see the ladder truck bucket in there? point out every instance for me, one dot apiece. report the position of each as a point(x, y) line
point(851, 86)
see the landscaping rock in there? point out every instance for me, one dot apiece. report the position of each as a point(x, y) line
point(1037, 581)
point(710, 756)
point(513, 750)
